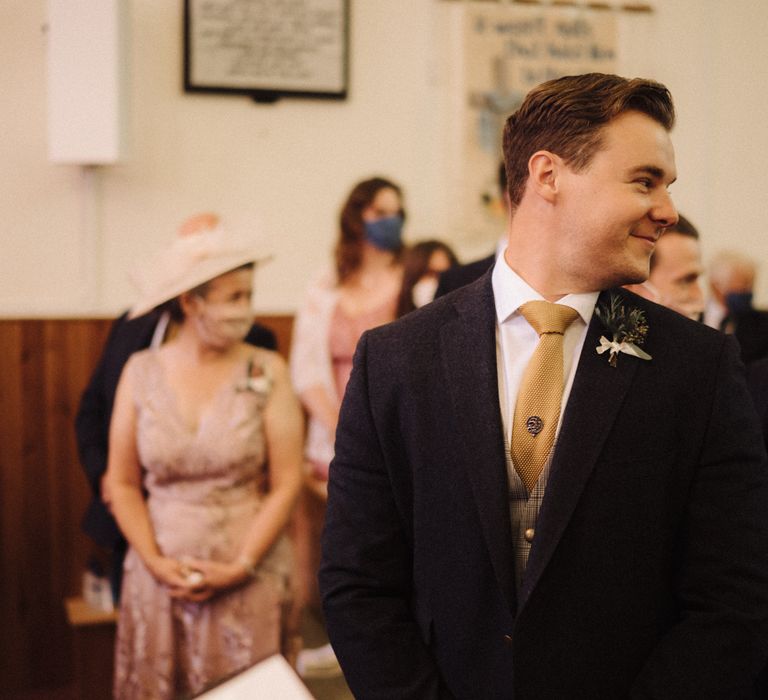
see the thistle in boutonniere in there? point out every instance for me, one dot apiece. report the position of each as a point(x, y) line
point(628, 328)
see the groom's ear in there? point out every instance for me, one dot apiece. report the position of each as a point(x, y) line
point(544, 171)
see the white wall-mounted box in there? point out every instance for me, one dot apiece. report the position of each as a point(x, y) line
point(86, 81)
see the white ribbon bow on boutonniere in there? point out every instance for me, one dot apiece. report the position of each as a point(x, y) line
point(628, 328)
point(256, 380)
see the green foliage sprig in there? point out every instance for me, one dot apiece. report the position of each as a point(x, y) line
point(627, 326)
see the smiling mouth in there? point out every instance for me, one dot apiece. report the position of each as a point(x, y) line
point(650, 238)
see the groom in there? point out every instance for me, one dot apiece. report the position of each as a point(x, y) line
point(558, 500)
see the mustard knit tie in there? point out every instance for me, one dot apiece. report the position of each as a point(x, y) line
point(541, 390)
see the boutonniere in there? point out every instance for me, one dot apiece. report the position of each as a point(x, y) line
point(256, 380)
point(628, 328)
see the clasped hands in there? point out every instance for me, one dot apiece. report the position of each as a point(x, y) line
point(196, 580)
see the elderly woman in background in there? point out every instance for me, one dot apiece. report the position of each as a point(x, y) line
point(423, 262)
point(195, 423)
point(360, 293)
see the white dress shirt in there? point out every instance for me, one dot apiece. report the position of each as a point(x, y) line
point(515, 342)
point(516, 339)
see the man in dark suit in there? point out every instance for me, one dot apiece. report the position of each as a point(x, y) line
point(632, 563)
point(675, 271)
point(126, 337)
point(731, 281)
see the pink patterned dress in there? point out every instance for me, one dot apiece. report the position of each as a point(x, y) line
point(204, 488)
point(346, 331)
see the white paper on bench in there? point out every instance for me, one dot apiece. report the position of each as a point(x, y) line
point(271, 679)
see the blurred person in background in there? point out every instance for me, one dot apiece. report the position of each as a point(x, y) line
point(203, 471)
point(423, 263)
point(461, 275)
point(729, 308)
point(676, 268)
point(126, 336)
point(361, 292)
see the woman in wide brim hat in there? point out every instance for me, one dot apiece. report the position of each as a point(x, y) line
point(195, 423)
point(202, 251)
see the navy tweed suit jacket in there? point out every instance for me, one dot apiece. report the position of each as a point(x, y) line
point(648, 574)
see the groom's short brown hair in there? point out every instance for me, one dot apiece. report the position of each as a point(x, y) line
point(566, 116)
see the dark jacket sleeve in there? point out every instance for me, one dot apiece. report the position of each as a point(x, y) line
point(93, 418)
point(721, 639)
point(757, 381)
point(94, 413)
point(261, 337)
point(365, 573)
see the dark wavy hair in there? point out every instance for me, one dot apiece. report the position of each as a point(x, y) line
point(415, 264)
point(349, 249)
point(566, 116)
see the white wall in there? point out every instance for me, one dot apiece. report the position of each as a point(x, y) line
point(69, 235)
point(714, 59)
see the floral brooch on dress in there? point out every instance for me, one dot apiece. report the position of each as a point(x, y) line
point(256, 379)
point(628, 328)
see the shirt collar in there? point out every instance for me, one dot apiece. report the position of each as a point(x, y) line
point(510, 291)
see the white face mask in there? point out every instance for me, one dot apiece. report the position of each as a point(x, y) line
point(223, 324)
point(424, 291)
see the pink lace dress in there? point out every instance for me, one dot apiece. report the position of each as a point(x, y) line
point(346, 331)
point(204, 488)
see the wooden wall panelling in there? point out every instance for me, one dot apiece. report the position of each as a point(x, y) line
point(45, 366)
point(44, 632)
point(72, 349)
point(29, 582)
point(282, 326)
point(11, 488)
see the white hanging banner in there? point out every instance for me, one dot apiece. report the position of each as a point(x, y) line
point(507, 50)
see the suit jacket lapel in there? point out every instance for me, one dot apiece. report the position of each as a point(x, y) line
point(596, 395)
point(469, 357)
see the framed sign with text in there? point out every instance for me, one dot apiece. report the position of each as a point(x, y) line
point(267, 49)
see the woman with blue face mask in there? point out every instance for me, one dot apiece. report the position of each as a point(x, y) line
point(359, 293)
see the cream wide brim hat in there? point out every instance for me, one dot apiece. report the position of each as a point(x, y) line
point(190, 261)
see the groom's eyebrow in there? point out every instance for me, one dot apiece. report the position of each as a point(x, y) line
point(654, 171)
